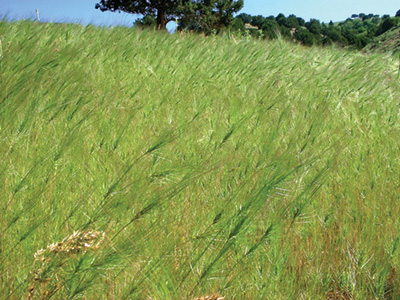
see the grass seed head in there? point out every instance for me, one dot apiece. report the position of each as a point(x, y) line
point(46, 285)
point(78, 242)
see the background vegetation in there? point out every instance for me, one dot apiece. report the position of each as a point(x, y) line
point(356, 32)
point(217, 16)
point(361, 31)
point(156, 166)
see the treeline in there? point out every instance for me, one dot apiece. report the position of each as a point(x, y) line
point(214, 17)
point(357, 31)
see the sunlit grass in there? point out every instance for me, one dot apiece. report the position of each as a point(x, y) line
point(253, 170)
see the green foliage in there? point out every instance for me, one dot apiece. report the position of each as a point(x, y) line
point(355, 32)
point(208, 16)
point(281, 19)
point(333, 34)
point(293, 22)
point(257, 21)
point(304, 36)
point(163, 11)
point(147, 21)
point(285, 32)
point(388, 42)
point(269, 28)
point(387, 24)
point(201, 15)
point(314, 26)
point(237, 25)
point(353, 38)
point(257, 170)
point(245, 18)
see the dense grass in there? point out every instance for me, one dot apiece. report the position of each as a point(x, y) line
point(258, 170)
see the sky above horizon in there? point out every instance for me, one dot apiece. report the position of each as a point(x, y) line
point(83, 11)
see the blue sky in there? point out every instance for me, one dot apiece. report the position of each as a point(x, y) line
point(83, 11)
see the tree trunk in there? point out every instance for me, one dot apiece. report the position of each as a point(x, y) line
point(161, 19)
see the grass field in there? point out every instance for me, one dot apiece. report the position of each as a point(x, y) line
point(156, 166)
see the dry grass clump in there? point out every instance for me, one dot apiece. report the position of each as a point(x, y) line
point(211, 297)
point(45, 279)
point(339, 294)
point(390, 284)
point(78, 242)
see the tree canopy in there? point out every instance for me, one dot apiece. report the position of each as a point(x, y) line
point(201, 14)
point(163, 10)
point(208, 15)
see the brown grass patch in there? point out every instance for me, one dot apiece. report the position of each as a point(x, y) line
point(211, 297)
point(339, 294)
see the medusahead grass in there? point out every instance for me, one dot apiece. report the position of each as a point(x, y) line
point(214, 166)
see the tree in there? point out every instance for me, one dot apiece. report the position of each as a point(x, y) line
point(281, 19)
point(301, 22)
point(371, 28)
point(146, 21)
point(237, 25)
point(208, 15)
point(333, 33)
point(210, 11)
point(246, 18)
point(285, 32)
point(354, 39)
point(270, 28)
point(257, 21)
point(314, 26)
point(304, 36)
point(387, 24)
point(292, 22)
point(163, 10)
point(376, 20)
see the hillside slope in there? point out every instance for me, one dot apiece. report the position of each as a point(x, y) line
point(386, 42)
point(154, 166)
